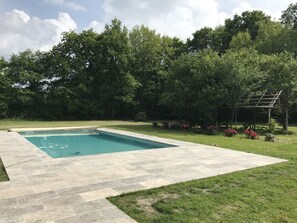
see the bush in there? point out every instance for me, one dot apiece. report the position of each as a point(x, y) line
point(140, 116)
point(272, 125)
point(250, 134)
point(185, 126)
point(269, 137)
point(165, 124)
point(174, 125)
point(212, 130)
point(155, 125)
point(230, 132)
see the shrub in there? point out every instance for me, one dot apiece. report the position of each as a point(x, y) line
point(272, 125)
point(140, 116)
point(165, 124)
point(155, 125)
point(185, 126)
point(269, 137)
point(213, 129)
point(230, 132)
point(173, 125)
point(250, 134)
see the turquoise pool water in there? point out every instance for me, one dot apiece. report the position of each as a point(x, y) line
point(86, 142)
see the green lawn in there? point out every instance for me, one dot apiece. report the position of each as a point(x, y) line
point(6, 123)
point(3, 175)
point(266, 194)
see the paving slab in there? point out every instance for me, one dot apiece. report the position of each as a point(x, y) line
point(74, 189)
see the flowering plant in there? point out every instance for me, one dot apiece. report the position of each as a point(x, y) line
point(212, 129)
point(250, 134)
point(185, 126)
point(230, 132)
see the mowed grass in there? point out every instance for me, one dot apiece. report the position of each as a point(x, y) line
point(6, 124)
point(265, 194)
point(3, 175)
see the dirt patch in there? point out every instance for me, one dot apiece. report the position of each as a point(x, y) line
point(146, 204)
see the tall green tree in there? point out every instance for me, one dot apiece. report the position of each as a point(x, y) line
point(202, 39)
point(71, 73)
point(246, 22)
point(4, 88)
point(152, 56)
point(275, 38)
point(208, 38)
point(289, 16)
point(241, 40)
point(243, 76)
point(280, 73)
point(25, 73)
point(193, 89)
point(117, 86)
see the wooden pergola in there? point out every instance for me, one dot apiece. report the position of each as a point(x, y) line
point(266, 101)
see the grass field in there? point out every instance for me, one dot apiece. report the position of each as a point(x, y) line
point(3, 175)
point(266, 194)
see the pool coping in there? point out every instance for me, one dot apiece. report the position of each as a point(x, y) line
point(50, 128)
point(172, 144)
point(42, 188)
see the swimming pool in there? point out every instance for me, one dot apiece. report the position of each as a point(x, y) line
point(86, 142)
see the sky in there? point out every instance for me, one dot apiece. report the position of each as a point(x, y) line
point(38, 24)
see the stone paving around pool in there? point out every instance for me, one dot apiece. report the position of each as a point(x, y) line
point(73, 189)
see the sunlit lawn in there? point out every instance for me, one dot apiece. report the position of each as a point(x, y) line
point(266, 194)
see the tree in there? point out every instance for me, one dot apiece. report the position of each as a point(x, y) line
point(241, 40)
point(152, 56)
point(179, 48)
point(193, 89)
point(289, 16)
point(70, 73)
point(243, 76)
point(207, 38)
point(202, 39)
point(116, 86)
point(246, 22)
point(25, 73)
point(280, 74)
point(4, 88)
point(275, 38)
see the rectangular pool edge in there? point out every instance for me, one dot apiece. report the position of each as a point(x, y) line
point(58, 144)
point(51, 128)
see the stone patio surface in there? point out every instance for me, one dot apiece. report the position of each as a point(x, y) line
point(73, 189)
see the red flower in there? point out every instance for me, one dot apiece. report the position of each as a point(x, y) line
point(230, 132)
point(250, 133)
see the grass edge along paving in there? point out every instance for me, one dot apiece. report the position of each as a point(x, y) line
point(265, 194)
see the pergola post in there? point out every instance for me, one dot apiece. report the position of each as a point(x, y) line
point(286, 120)
point(267, 101)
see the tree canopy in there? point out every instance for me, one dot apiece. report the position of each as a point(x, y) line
point(120, 72)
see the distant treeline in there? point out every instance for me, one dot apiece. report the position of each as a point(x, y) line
point(119, 72)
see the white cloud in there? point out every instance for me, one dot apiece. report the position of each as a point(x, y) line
point(243, 6)
point(68, 4)
point(18, 32)
point(178, 18)
point(96, 26)
point(273, 8)
point(182, 18)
